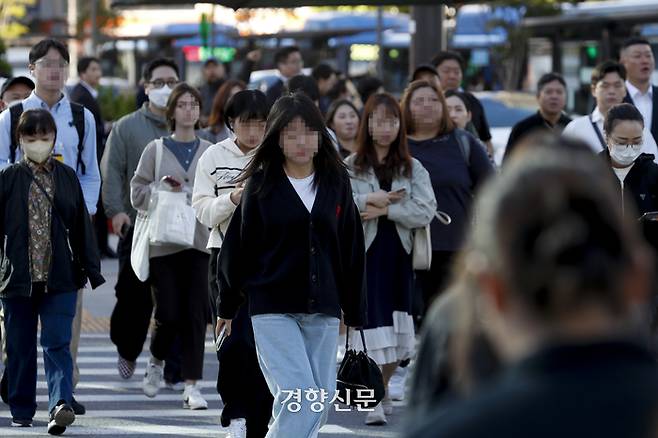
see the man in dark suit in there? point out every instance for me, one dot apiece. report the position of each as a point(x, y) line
point(85, 93)
point(637, 57)
point(289, 63)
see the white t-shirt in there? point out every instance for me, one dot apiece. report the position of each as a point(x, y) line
point(622, 173)
point(305, 189)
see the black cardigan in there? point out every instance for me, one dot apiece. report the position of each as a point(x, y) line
point(286, 260)
point(75, 256)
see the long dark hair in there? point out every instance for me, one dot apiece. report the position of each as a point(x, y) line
point(269, 158)
point(398, 160)
point(219, 102)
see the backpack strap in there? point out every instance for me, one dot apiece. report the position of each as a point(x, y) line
point(15, 112)
point(464, 145)
point(78, 112)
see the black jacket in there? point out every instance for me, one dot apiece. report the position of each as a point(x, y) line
point(530, 125)
point(640, 185)
point(286, 260)
point(605, 390)
point(75, 257)
point(654, 118)
point(275, 91)
point(79, 94)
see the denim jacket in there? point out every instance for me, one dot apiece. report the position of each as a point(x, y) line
point(415, 210)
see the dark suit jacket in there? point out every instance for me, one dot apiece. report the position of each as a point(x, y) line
point(81, 95)
point(607, 389)
point(654, 118)
point(275, 91)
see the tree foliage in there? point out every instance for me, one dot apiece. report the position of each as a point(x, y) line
point(11, 12)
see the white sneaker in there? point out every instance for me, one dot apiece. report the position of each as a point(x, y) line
point(192, 398)
point(397, 384)
point(387, 404)
point(152, 379)
point(237, 428)
point(376, 417)
point(176, 387)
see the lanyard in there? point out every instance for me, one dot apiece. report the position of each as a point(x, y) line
point(598, 133)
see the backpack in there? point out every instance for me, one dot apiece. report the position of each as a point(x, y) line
point(78, 112)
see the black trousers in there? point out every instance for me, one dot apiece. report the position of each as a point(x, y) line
point(433, 282)
point(180, 298)
point(240, 381)
point(100, 227)
point(131, 317)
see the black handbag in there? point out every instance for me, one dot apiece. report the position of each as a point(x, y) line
point(360, 382)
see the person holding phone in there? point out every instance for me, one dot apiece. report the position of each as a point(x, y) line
point(178, 274)
point(394, 195)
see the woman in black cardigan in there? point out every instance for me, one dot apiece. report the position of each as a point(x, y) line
point(295, 249)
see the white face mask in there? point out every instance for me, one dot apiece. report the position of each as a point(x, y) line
point(37, 151)
point(159, 96)
point(625, 155)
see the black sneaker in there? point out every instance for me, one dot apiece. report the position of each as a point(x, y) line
point(21, 422)
point(4, 388)
point(60, 417)
point(77, 407)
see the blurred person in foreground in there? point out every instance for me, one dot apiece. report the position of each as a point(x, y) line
point(562, 290)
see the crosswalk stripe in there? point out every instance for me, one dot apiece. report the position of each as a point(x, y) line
point(110, 359)
point(119, 386)
point(115, 398)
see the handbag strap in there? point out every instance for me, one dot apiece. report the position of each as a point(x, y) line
point(363, 340)
point(159, 145)
point(442, 216)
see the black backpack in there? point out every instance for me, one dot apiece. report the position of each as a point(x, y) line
point(78, 112)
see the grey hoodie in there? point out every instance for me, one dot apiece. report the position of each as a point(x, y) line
point(123, 149)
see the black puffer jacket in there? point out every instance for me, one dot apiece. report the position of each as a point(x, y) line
point(75, 256)
point(640, 185)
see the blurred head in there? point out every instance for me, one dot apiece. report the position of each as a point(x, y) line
point(49, 62)
point(14, 89)
point(184, 107)
point(304, 84)
point(225, 92)
point(289, 61)
point(325, 76)
point(551, 94)
point(382, 126)
point(458, 108)
point(89, 70)
point(624, 127)
point(426, 72)
point(295, 132)
point(368, 86)
point(343, 118)
point(245, 114)
point(554, 256)
point(213, 70)
point(36, 132)
point(160, 77)
point(424, 107)
point(608, 86)
point(450, 66)
point(637, 57)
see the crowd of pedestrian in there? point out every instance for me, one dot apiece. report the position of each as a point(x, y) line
point(288, 218)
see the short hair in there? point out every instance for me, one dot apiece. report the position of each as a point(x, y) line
point(35, 122)
point(40, 49)
point(620, 113)
point(547, 78)
point(447, 55)
point(306, 85)
point(606, 67)
point(246, 105)
point(322, 71)
point(461, 96)
point(85, 62)
point(159, 62)
point(178, 91)
point(210, 61)
point(423, 68)
point(282, 54)
point(634, 41)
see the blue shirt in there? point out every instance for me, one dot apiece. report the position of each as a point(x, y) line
point(184, 151)
point(66, 144)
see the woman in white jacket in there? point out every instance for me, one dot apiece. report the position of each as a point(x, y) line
point(394, 195)
point(247, 399)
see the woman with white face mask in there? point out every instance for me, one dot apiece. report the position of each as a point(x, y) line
point(49, 254)
point(636, 172)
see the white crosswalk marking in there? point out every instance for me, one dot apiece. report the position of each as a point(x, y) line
point(117, 407)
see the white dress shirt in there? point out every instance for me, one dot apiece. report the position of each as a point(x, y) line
point(643, 101)
point(581, 129)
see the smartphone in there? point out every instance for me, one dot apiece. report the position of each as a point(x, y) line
point(220, 339)
point(402, 190)
point(171, 181)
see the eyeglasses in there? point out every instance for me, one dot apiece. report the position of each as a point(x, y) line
point(52, 64)
point(636, 146)
point(159, 83)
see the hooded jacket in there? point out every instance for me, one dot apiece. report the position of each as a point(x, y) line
point(640, 188)
point(123, 149)
point(217, 169)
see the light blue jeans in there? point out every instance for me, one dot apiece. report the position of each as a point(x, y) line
point(297, 354)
